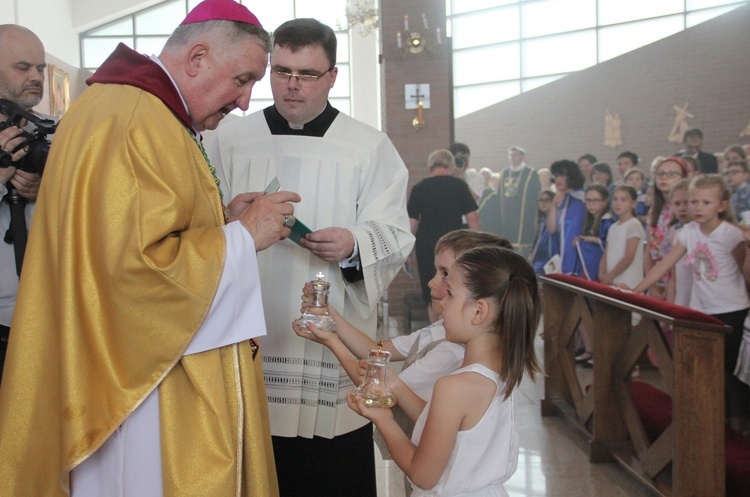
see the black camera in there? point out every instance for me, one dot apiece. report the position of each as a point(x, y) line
point(460, 161)
point(36, 137)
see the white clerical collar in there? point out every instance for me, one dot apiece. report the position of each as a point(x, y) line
point(517, 168)
point(159, 63)
point(302, 126)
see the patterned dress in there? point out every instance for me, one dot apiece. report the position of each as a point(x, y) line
point(660, 240)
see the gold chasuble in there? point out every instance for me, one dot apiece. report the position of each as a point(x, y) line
point(124, 258)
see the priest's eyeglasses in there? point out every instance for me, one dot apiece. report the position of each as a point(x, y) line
point(302, 79)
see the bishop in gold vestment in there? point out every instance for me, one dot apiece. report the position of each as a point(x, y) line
point(134, 292)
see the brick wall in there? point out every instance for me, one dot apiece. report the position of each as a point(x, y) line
point(429, 67)
point(706, 66)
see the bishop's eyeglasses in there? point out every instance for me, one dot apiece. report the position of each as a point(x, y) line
point(302, 79)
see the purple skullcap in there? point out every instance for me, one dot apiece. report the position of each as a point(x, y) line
point(221, 10)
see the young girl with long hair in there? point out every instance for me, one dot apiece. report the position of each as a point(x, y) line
point(464, 441)
point(716, 253)
point(678, 291)
point(601, 173)
point(596, 223)
point(667, 174)
point(623, 256)
point(542, 244)
point(637, 180)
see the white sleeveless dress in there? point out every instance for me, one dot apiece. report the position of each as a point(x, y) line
point(485, 456)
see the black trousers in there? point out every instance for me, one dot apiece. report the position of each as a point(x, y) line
point(736, 393)
point(343, 466)
point(4, 334)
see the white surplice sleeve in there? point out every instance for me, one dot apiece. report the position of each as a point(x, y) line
point(236, 313)
point(382, 227)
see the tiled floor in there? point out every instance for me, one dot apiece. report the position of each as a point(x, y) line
point(552, 460)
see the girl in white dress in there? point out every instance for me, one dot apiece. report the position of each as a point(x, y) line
point(679, 293)
point(623, 255)
point(717, 254)
point(464, 442)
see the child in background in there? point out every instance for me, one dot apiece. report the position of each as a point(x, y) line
point(660, 231)
point(623, 255)
point(625, 162)
point(649, 201)
point(637, 180)
point(590, 247)
point(596, 222)
point(542, 248)
point(693, 169)
point(737, 175)
point(464, 441)
point(601, 173)
point(742, 370)
point(716, 253)
point(682, 277)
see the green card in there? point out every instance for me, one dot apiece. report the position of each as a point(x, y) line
point(298, 231)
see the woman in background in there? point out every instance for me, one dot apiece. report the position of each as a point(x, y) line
point(565, 217)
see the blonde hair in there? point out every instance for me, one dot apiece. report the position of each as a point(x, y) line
point(441, 158)
point(704, 181)
point(682, 185)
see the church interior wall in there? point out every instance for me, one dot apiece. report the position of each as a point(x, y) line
point(705, 67)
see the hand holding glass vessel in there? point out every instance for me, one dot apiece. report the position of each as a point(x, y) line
point(315, 310)
point(374, 388)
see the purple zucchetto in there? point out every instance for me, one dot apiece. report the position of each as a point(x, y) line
point(221, 10)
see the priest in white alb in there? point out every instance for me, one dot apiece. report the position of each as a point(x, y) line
point(353, 185)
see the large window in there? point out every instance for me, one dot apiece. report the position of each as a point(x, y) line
point(505, 47)
point(501, 48)
point(147, 30)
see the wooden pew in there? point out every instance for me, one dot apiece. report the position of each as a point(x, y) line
point(692, 446)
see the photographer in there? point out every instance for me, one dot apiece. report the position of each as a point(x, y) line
point(22, 64)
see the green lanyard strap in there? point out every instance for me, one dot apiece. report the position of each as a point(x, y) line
point(212, 168)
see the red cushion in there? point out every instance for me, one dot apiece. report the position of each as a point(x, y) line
point(738, 464)
point(675, 311)
point(655, 409)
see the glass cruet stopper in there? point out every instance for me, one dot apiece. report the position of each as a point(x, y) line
point(374, 388)
point(316, 310)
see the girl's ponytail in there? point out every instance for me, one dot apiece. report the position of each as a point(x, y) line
point(517, 320)
point(509, 282)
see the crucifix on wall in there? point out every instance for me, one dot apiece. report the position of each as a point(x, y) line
point(414, 94)
point(681, 123)
point(417, 97)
